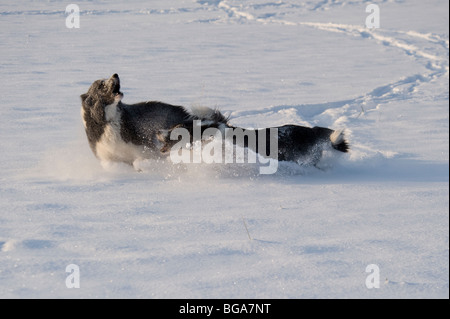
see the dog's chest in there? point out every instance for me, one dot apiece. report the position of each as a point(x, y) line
point(111, 146)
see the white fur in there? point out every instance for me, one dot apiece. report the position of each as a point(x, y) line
point(112, 114)
point(203, 112)
point(337, 137)
point(111, 146)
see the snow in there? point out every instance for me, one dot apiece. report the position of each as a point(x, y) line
point(225, 231)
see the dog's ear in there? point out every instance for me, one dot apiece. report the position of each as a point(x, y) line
point(83, 97)
point(94, 107)
point(97, 111)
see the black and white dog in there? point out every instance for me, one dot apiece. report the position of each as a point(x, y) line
point(122, 132)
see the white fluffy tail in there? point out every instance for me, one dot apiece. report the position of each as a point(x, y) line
point(208, 115)
point(338, 141)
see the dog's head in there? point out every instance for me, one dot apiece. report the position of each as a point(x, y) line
point(101, 93)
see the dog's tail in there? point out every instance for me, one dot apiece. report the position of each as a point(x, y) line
point(339, 142)
point(208, 116)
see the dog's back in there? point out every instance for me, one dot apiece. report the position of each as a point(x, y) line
point(141, 122)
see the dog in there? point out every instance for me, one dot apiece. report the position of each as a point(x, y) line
point(120, 132)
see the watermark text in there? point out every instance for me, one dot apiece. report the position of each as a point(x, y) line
point(373, 19)
point(73, 18)
point(226, 145)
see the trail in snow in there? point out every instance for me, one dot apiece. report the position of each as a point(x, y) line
point(436, 63)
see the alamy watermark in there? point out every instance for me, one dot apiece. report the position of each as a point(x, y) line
point(73, 18)
point(226, 145)
point(73, 279)
point(373, 19)
point(373, 279)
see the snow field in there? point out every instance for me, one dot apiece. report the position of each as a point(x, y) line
point(180, 231)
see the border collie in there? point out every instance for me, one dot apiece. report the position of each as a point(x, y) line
point(122, 132)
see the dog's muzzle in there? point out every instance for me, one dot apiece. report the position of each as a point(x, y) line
point(118, 96)
point(116, 87)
